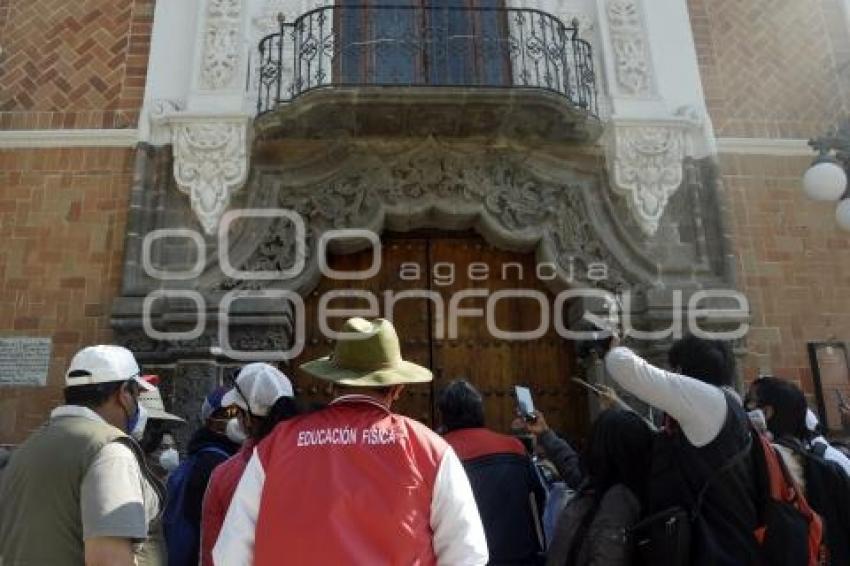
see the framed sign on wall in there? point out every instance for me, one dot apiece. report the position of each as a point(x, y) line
point(831, 371)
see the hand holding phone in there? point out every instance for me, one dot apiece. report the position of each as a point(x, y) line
point(525, 404)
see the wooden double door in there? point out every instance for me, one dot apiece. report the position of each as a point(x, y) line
point(461, 346)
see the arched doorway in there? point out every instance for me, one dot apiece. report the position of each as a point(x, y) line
point(445, 265)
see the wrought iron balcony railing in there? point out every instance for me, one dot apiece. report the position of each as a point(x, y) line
point(350, 45)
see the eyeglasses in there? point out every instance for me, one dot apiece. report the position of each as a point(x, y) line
point(232, 382)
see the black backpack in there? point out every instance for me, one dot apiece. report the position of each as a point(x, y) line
point(828, 493)
point(665, 538)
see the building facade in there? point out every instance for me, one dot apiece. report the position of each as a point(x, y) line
point(182, 177)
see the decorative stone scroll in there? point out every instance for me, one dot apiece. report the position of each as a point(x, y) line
point(210, 164)
point(633, 67)
point(221, 43)
point(647, 169)
point(432, 185)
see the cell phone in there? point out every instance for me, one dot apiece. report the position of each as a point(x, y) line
point(524, 403)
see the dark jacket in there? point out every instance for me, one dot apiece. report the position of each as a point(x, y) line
point(728, 514)
point(203, 464)
point(565, 459)
point(504, 484)
point(592, 532)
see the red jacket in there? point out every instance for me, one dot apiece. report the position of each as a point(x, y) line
point(353, 483)
point(223, 482)
point(471, 443)
point(353, 480)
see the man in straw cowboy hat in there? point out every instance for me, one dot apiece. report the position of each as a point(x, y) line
point(354, 482)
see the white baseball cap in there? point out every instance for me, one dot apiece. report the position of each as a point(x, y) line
point(261, 385)
point(104, 364)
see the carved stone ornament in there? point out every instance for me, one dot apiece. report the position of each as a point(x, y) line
point(432, 185)
point(210, 164)
point(629, 45)
point(162, 107)
point(221, 43)
point(647, 169)
point(570, 10)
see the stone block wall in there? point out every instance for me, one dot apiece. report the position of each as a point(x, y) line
point(62, 219)
point(792, 260)
point(773, 68)
point(73, 64)
point(779, 69)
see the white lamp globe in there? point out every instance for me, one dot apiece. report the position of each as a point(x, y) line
point(842, 214)
point(825, 180)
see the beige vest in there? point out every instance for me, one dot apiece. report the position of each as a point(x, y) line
point(40, 519)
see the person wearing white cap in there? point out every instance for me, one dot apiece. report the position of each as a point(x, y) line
point(263, 397)
point(821, 447)
point(78, 490)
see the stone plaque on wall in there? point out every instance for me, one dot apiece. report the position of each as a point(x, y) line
point(24, 361)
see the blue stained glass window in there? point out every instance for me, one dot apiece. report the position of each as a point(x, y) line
point(412, 42)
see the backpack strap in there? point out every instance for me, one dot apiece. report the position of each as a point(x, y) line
point(216, 450)
point(151, 478)
point(819, 449)
point(731, 463)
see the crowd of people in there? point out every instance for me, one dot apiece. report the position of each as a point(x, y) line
point(724, 480)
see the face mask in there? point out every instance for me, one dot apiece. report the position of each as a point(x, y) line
point(234, 431)
point(758, 419)
point(169, 459)
point(138, 422)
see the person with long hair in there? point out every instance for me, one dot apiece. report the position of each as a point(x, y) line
point(592, 527)
point(263, 397)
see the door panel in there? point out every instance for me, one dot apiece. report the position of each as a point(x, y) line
point(493, 365)
point(411, 317)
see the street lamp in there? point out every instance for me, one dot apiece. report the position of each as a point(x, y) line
point(826, 179)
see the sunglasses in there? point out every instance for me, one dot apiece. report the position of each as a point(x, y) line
point(231, 381)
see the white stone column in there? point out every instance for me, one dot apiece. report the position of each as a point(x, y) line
point(658, 111)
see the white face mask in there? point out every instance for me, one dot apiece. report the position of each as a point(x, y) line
point(169, 459)
point(139, 426)
point(234, 431)
point(758, 419)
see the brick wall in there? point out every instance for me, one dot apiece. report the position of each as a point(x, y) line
point(62, 218)
point(793, 263)
point(75, 64)
point(772, 68)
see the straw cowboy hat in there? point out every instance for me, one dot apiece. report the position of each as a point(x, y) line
point(152, 400)
point(369, 357)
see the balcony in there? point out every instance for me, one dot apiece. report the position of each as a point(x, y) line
point(426, 70)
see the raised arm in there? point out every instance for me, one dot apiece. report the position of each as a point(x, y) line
point(558, 450)
point(699, 408)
